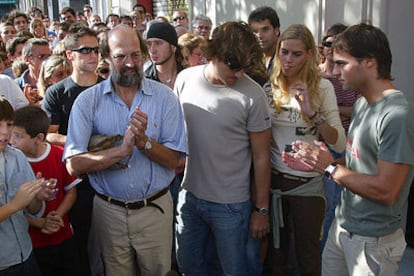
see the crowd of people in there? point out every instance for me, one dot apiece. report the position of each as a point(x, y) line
point(148, 146)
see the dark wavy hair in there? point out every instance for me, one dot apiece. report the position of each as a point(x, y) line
point(365, 41)
point(235, 41)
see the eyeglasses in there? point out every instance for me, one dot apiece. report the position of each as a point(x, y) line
point(123, 58)
point(104, 71)
point(200, 28)
point(86, 10)
point(234, 65)
point(87, 50)
point(179, 18)
point(327, 44)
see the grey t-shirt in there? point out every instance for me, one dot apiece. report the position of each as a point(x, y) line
point(379, 131)
point(218, 120)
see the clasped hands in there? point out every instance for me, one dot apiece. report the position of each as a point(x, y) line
point(307, 157)
point(38, 189)
point(135, 133)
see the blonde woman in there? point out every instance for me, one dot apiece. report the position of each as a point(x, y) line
point(53, 70)
point(303, 108)
point(37, 28)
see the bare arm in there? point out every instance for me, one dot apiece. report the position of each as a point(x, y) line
point(384, 187)
point(55, 138)
point(260, 142)
point(67, 202)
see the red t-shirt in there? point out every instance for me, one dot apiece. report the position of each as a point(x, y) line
point(51, 166)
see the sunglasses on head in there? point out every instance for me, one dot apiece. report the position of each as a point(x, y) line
point(179, 18)
point(327, 44)
point(234, 64)
point(87, 50)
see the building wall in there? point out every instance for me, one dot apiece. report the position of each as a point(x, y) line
point(393, 17)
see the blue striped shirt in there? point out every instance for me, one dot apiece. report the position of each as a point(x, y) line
point(99, 110)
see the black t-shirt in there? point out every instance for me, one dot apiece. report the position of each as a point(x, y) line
point(59, 100)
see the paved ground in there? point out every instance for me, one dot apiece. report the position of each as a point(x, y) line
point(407, 263)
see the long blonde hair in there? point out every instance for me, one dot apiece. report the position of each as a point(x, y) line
point(309, 73)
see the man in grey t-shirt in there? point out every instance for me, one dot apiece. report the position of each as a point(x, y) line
point(228, 132)
point(366, 238)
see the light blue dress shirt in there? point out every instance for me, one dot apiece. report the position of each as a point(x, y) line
point(15, 242)
point(99, 110)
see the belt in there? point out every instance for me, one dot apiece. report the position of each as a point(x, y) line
point(134, 205)
point(292, 177)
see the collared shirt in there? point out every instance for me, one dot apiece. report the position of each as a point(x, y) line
point(16, 245)
point(23, 80)
point(99, 110)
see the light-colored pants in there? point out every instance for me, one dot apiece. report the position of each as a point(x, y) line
point(134, 239)
point(350, 254)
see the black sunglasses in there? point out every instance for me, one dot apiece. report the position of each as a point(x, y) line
point(234, 64)
point(87, 50)
point(179, 18)
point(104, 71)
point(327, 44)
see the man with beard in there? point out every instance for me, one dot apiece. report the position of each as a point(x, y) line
point(82, 50)
point(132, 211)
point(162, 42)
point(265, 24)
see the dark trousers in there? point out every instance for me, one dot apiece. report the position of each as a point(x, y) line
point(80, 217)
point(303, 217)
point(27, 268)
point(61, 259)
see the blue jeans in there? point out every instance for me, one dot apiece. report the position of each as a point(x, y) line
point(201, 222)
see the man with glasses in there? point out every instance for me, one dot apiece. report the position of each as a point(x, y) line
point(82, 50)
point(34, 52)
point(180, 18)
point(202, 26)
point(87, 11)
point(228, 134)
point(132, 211)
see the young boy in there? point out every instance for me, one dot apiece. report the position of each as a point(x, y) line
point(20, 192)
point(51, 235)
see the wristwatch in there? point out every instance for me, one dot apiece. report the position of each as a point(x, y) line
point(330, 170)
point(262, 211)
point(147, 146)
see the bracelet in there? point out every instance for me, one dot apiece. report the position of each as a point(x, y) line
point(319, 121)
point(313, 116)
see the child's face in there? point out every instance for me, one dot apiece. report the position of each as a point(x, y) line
point(21, 140)
point(5, 131)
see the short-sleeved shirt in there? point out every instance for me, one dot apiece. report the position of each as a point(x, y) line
point(219, 120)
point(51, 166)
point(59, 100)
point(99, 110)
point(382, 130)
